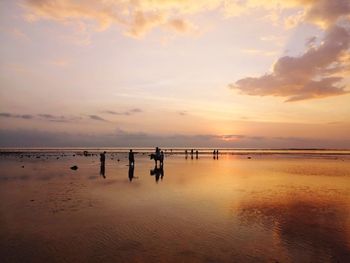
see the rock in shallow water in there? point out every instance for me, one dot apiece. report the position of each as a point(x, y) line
point(74, 167)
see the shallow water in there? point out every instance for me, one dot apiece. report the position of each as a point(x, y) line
point(280, 208)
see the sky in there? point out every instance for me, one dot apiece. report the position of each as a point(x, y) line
point(176, 73)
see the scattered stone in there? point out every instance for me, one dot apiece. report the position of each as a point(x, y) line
point(22, 166)
point(74, 167)
point(249, 157)
point(31, 200)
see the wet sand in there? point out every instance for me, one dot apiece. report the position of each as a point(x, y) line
point(270, 208)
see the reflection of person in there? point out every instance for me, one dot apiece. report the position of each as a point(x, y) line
point(161, 158)
point(131, 172)
point(131, 158)
point(196, 154)
point(102, 170)
point(158, 173)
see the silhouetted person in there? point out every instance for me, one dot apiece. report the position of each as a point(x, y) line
point(103, 157)
point(186, 153)
point(102, 164)
point(157, 152)
point(196, 154)
point(131, 158)
point(131, 172)
point(157, 156)
point(214, 154)
point(191, 153)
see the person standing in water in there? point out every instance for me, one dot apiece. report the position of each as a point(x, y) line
point(131, 158)
point(196, 154)
point(102, 164)
point(158, 152)
point(103, 158)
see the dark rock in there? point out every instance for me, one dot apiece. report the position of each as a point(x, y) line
point(74, 167)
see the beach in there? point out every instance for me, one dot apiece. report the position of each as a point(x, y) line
point(246, 207)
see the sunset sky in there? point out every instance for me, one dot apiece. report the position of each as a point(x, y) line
point(239, 73)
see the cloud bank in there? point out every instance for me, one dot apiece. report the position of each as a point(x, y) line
point(125, 113)
point(120, 138)
point(49, 117)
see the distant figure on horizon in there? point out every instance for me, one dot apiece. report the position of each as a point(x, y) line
point(186, 153)
point(131, 158)
point(196, 154)
point(191, 153)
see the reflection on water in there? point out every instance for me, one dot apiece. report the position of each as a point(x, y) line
point(235, 209)
point(317, 226)
point(157, 172)
point(103, 170)
point(131, 172)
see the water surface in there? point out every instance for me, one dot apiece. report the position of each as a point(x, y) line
point(240, 208)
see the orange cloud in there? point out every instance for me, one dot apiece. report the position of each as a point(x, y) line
point(140, 17)
point(305, 77)
point(321, 71)
point(326, 13)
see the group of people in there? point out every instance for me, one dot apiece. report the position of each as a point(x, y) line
point(158, 172)
point(216, 154)
point(192, 153)
point(157, 156)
